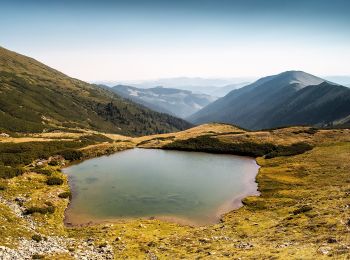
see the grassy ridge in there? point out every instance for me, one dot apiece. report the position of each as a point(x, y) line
point(210, 144)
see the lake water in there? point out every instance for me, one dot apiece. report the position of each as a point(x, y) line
point(189, 187)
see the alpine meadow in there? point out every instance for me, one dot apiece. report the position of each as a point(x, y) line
point(194, 129)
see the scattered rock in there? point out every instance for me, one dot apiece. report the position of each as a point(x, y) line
point(244, 245)
point(286, 244)
point(324, 250)
point(204, 240)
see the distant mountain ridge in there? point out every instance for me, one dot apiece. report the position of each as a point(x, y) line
point(198, 85)
point(177, 102)
point(289, 98)
point(36, 98)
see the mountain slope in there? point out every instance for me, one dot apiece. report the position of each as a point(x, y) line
point(289, 98)
point(173, 101)
point(35, 98)
point(223, 91)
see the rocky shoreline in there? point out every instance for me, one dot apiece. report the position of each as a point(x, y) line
point(31, 249)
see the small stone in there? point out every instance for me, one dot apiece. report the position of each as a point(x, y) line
point(324, 250)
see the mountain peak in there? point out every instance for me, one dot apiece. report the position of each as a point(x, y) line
point(288, 98)
point(298, 79)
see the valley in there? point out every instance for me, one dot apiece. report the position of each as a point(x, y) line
point(177, 102)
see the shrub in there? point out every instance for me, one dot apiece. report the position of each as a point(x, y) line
point(54, 163)
point(15, 154)
point(95, 138)
point(54, 181)
point(213, 145)
point(302, 209)
point(49, 203)
point(104, 244)
point(36, 238)
point(71, 154)
point(2, 187)
point(310, 131)
point(40, 210)
point(65, 195)
point(209, 144)
point(7, 172)
point(37, 256)
point(42, 171)
point(294, 149)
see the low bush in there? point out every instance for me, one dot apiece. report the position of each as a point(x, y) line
point(95, 138)
point(71, 154)
point(214, 145)
point(209, 144)
point(302, 209)
point(42, 171)
point(15, 154)
point(54, 181)
point(65, 195)
point(49, 203)
point(40, 210)
point(2, 187)
point(310, 131)
point(37, 238)
point(294, 149)
point(7, 172)
point(54, 163)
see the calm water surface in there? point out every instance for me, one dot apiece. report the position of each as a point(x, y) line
point(189, 187)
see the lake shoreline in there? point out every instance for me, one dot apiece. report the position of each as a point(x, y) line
point(250, 189)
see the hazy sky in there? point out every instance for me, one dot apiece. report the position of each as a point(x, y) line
point(144, 39)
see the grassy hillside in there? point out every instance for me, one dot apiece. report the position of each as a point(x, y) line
point(301, 213)
point(36, 98)
point(289, 98)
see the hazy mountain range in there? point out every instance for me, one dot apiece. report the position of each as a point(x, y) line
point(180, 103)
point(289, 98)
point(215, 87)
point(36, 98)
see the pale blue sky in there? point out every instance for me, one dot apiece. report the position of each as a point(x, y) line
point(134, 39)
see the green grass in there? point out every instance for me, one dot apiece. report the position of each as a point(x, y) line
point(36, 98)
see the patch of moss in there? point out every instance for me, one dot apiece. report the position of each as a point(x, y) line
point(40, 210)
point(302, 209)
point(65, 195)
point(54, 181)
